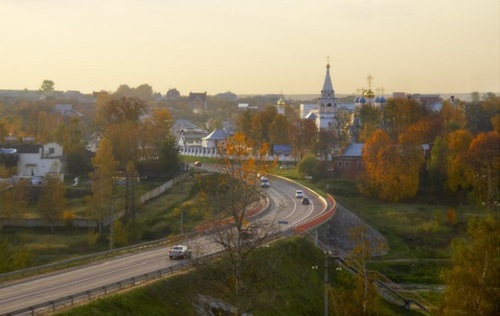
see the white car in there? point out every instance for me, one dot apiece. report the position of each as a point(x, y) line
point(180, 252)
point(299, 194)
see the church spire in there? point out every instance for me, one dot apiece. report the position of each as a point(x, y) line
point(327, 104)
point(327, 86)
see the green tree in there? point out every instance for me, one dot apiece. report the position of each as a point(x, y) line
point(307, 166)
point(436, 166)
point(472, 282)
point(47, 85)
point(14, 257)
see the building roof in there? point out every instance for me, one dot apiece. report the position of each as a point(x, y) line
point(217, 134)
point(353, 150)
point(24, 148)
point(310, 116)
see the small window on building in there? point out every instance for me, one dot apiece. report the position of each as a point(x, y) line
point(52, 150)
point(347, 164)
point(339, 164)
point(359, 164)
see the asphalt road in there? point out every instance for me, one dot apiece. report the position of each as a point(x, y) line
point(286, 211)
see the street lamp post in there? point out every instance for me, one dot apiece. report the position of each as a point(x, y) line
point(327, 253)
point(325, 280)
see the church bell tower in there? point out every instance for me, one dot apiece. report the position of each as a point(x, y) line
point(327, 104)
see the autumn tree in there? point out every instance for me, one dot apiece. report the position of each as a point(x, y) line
point(244, 123)
point(51, 203)
point(119, 121)
point(119, 111)
point(70, 135)
point(368, 118)
point(14, 198)
point(363, 299)
point(341, 125)
point(40, 124)
point(399, 114)
point(479, 113)
point(482, 163)
point(102, 182)
point(453, 115)
point(278, 131)
point(228, 197)
point(261, 125)
point(153, 132)
point(391, 170)
point(371, 149)
point(456, 172)
point(327, 140)
point(303, 135)
point(472, 282)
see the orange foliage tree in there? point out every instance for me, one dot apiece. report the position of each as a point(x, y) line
point(458, 144)
point(391, 170)
point(482, 163)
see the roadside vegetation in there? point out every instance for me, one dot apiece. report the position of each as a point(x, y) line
point(293, 285)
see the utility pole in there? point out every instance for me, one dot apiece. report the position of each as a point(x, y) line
point(326, 282)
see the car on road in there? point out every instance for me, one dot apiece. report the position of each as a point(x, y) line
point(299, 194)
point(264, 184)
point(179, 252)
point(306, 201)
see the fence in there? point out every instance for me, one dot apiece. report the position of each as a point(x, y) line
point(67, 301)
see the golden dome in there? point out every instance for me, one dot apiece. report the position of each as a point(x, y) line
point(369, 94)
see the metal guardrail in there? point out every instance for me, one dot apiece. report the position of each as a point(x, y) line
point(96, 256)
point(70, 300)
point(85, 296)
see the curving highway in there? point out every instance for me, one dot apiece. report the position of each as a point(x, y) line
point(285, 212)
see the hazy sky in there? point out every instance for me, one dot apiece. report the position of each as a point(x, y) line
point(251, 46)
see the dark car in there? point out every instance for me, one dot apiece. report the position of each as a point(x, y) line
point(306, 201)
